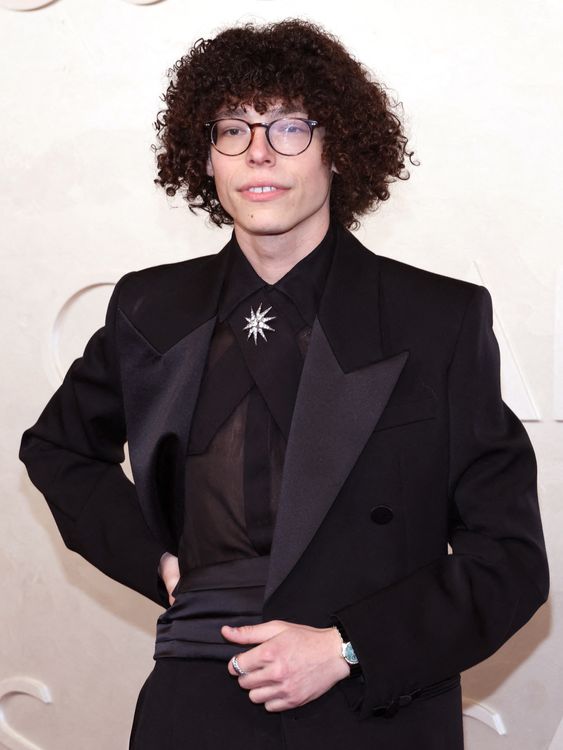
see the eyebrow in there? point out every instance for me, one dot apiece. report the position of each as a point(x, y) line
point(240, 112)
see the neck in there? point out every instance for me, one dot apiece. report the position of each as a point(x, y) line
point(273, 255)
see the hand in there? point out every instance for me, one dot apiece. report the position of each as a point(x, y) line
point(293, 664)
point(169, 571)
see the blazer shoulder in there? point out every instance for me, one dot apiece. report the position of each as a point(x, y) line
point(426, 297)
point(419, 305)
point(154, 287)
point(163, 274)
point(403, 278)
point(412, 285)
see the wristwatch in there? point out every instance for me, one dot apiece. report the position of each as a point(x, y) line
point(347, 651)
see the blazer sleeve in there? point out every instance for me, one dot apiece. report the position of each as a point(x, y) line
point(459, 609)
point(73, 455)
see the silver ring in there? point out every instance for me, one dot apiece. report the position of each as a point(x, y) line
point(236, 667)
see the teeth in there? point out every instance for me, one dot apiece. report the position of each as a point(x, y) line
point(265, 189)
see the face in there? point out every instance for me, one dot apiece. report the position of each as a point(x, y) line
point(298, 206)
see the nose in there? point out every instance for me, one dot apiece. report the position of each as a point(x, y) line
point(260, 151)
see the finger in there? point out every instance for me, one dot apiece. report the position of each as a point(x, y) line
point(265, 695)
point(241, 661)
point(255, 659)
point(258, 678)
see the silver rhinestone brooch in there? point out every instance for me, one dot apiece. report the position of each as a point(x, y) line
point(257, 323)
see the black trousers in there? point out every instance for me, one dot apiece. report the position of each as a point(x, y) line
point(191, 704)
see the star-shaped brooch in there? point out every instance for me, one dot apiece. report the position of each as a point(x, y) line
point(257, 323)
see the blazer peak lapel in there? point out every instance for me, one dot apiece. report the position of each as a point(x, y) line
point(345, 384)
point(166, 319)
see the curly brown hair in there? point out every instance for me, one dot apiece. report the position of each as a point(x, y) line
point(298, 63)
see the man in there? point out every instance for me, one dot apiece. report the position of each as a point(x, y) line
point(309, 425)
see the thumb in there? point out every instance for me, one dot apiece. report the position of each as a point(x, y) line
point(253, 633)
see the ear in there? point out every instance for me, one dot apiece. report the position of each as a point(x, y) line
point(334, 169)
point(209, 166)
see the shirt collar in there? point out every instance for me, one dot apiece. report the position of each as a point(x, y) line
point(303, 283)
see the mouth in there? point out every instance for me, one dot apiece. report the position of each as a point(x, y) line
point(262, 192)
point(260, 188)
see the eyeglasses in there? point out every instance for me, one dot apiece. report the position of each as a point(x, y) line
point(288, 136)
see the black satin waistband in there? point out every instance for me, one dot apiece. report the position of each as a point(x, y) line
point(229, 593)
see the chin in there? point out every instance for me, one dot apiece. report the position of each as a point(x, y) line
point(278, 224)
point(267, 226)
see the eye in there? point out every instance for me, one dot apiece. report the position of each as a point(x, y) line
point(291, 127)
point(231, 129)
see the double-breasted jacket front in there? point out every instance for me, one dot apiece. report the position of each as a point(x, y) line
point(400, 445)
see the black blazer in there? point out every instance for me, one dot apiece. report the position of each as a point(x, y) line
point(400, 444)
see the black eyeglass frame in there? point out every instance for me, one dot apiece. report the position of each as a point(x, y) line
point(267, 125)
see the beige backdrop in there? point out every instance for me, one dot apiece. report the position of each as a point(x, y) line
point(80, 82)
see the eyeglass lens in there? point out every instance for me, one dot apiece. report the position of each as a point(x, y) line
point(287, 136)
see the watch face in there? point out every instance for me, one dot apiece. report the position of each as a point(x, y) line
point(350, 654)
